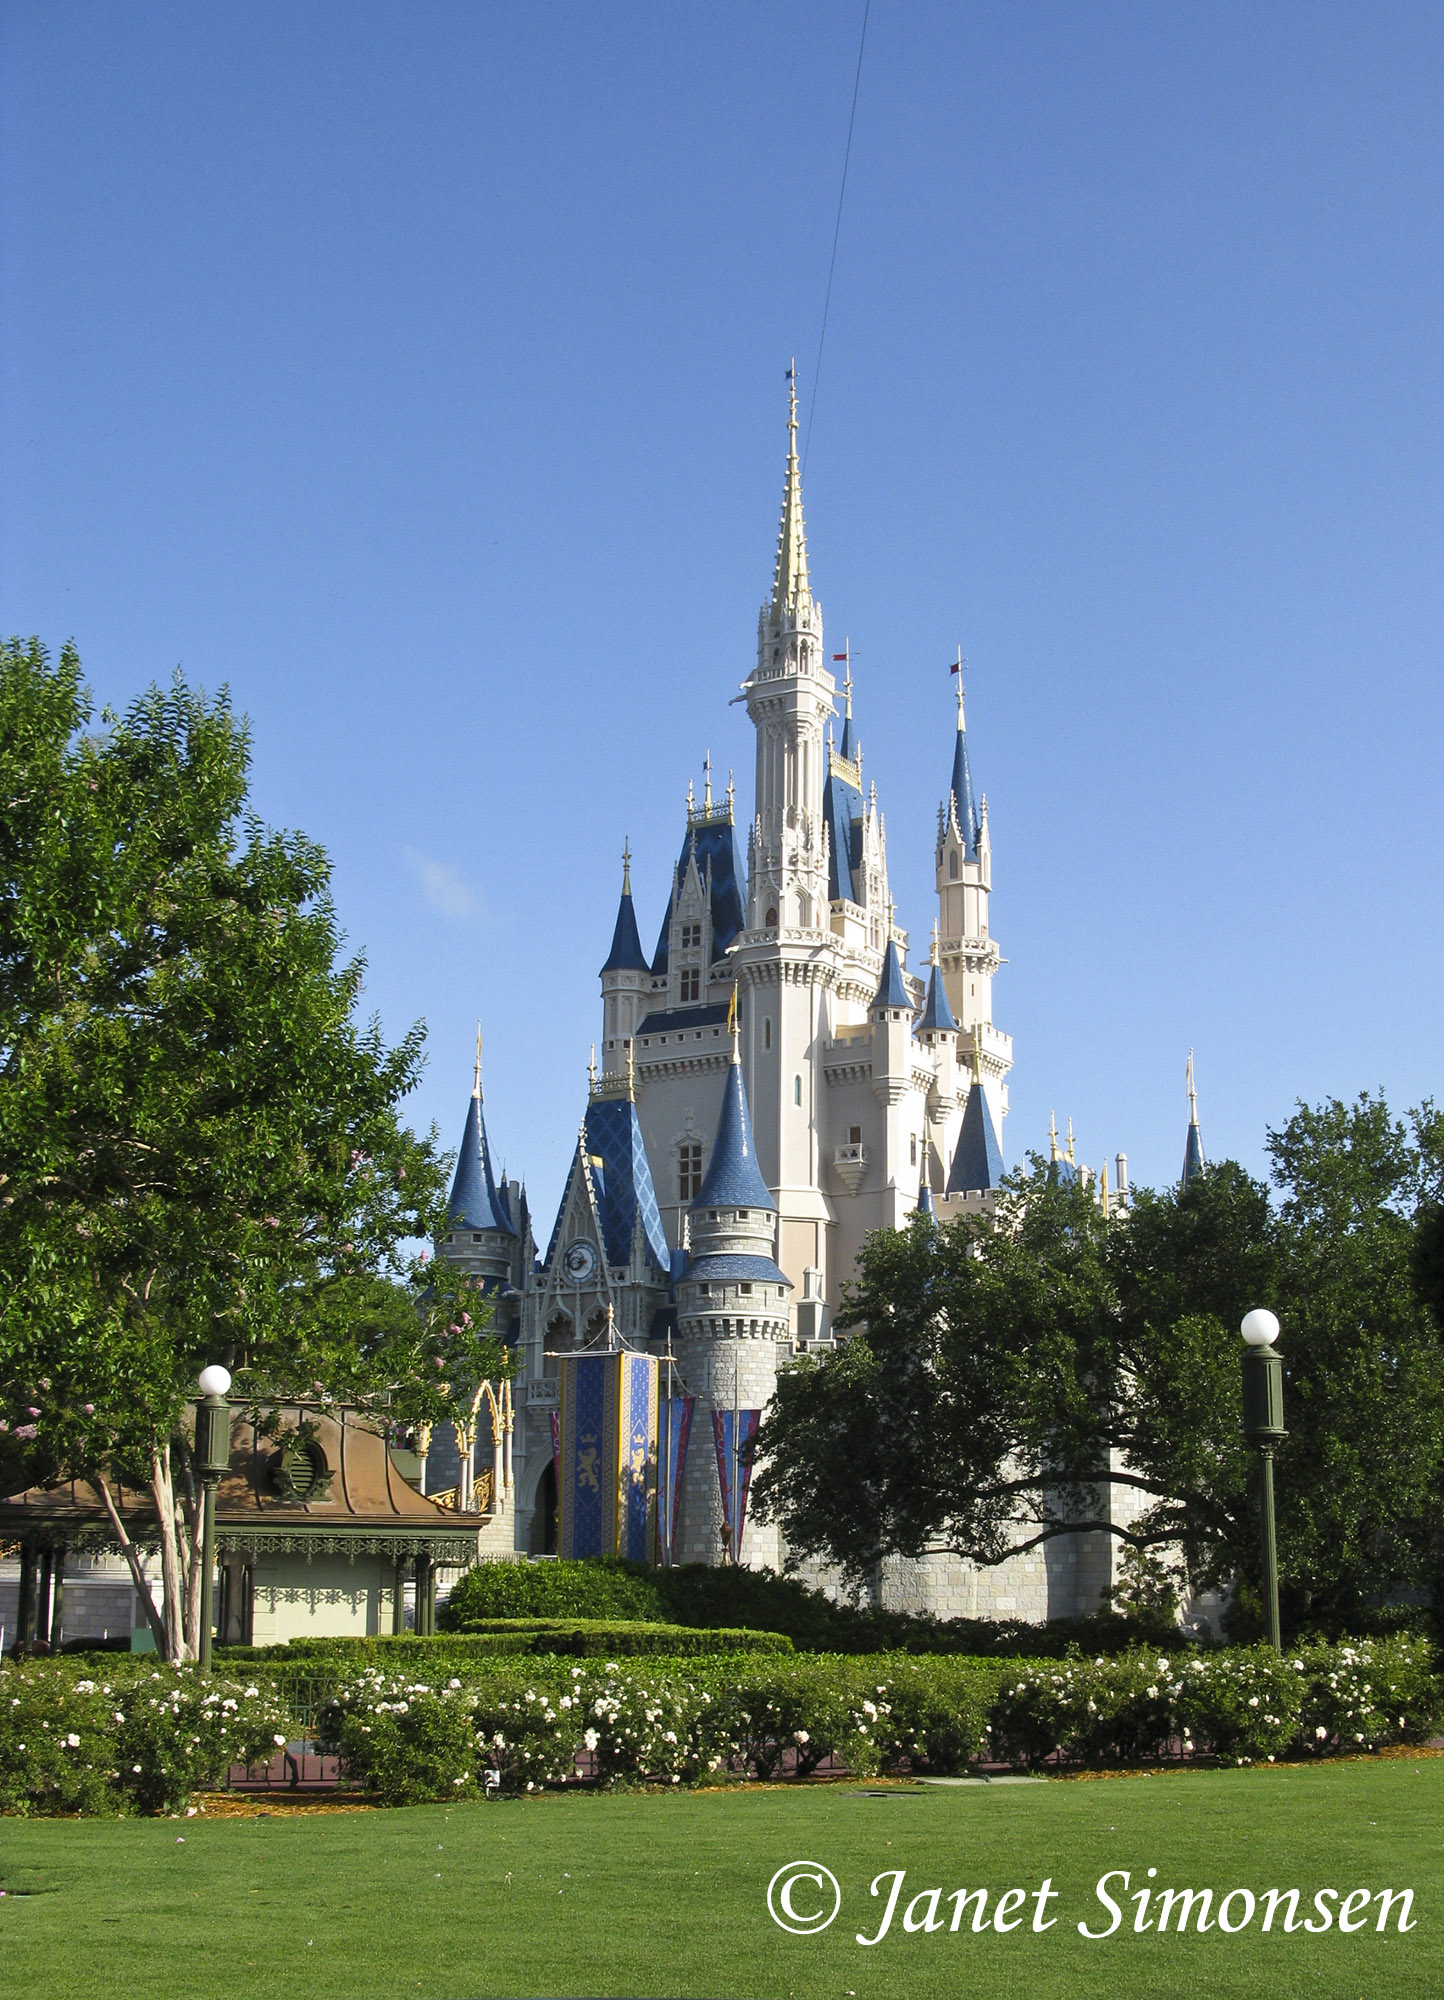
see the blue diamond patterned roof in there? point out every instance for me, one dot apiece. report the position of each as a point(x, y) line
point(1193, 1161)
point(734, 1179)
point(842, 809)
point(713, 842)
point(925, 1199)
point(978, 1161)
point(475, 1202)
point(624, 1181)
point(937, 1014)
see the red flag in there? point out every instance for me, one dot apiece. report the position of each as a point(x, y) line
point(839, 656)
point(955, 666)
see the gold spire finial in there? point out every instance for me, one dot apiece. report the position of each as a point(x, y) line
point(476, 1079)
point(1070, 1142)
point(1053, 1136)
point(731, 794)
point(1192, 1093)
point(734, 1027)
point(626, 866)
point(631, 1071)
point(958, 670)
point(707, 784)
point(933, 948)
point(592, 1067)
point(977, 1052)
point(1103, 1190)
point(691, 801)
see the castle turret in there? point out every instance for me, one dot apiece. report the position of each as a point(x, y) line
point(626, 978)
point(480, 1234)
point(1193, 1160)
point(733, 1320)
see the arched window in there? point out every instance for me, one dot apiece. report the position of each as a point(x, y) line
point(767, 1034)
point(797, 1090)
point(772, 920)
point(953, 866)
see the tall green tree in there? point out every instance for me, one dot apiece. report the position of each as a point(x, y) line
point(1006, 1372)
point(201, 1150)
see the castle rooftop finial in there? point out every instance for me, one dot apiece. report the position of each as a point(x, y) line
point(731, 795)
point(1053, 1137)
point(476, 1080)
point(691, 802)
point(933, 948)
point(707, 784)
point(626, 865)
point(791, 593)
point(734, 1026)
point(1193, 1160)
point(1070, 1142)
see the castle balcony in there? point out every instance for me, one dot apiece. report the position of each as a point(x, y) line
point(849, 1163)
point(544, 1392)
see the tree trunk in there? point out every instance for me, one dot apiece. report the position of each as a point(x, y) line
point(137, 1573)
point(163, 1493)
point(192, 1542)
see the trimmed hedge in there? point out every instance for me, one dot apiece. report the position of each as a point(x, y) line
point(572, 1638)
point(696, 1594)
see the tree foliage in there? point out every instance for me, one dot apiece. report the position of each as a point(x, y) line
point(1008, 1372)
point(201, 1153)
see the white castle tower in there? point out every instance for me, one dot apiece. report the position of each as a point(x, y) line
point(733, 1323)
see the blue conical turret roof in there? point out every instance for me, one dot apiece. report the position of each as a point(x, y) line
point(925, 1200)
point(734, 1179)
point(960, 790)
point(626, 954)
point(475, 1202)
point(891, 991)
point(978, 1161)
point(937, 1014)
point(1193, 1161)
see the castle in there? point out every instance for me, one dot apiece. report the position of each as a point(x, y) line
point(775, 1084)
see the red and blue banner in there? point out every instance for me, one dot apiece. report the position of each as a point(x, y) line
point(676, 1430)
point(733, 1431)
point(607, 1477)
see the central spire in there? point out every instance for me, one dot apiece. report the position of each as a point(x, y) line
point(791, 592)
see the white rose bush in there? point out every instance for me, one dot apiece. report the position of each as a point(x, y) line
point(121, 1737)
point(139, 1737)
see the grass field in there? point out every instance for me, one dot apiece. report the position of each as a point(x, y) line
point(666, 1895)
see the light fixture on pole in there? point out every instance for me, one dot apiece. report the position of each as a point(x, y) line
point(213, 1455)
point(1263, 1426)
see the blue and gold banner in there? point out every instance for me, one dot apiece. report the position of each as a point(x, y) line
point(733, 1432)
point(676, 1430)
point(607, 1483)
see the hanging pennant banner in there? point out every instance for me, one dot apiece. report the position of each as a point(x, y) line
point(676, 1430)
point(556, 1417)
point(607, 1485)
point(733, 1431)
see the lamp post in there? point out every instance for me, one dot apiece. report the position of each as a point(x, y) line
point(213, 1455)
point(1263, 1426)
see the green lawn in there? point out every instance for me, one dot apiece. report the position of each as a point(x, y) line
point(648, 1895)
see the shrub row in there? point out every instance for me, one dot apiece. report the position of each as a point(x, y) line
point(549, 1724)
point(696, 1594)
point(136, 1740)
point(597, 1638)
point(144, 1737)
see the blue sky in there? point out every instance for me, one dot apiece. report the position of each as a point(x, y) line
point(418, 374)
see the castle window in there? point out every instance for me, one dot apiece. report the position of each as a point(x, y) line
point(797, 1090)
point(744, 1288)
point(691, 936)
point(913, 1149)
point(854, 1135)
point(953, 866)
point(691, 984)
point(742, 1214)
point(689, 1169)
point(772, 920)
point(767, 1034)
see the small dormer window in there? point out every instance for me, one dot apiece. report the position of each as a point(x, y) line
point(691, 937)
point(691, 984)
point(742, 1214)
point(744, 1288)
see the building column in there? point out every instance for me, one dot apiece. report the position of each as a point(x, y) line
point(25, 1603)
point(42, 1600)
point(57, 1600)
point(398, 1600)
